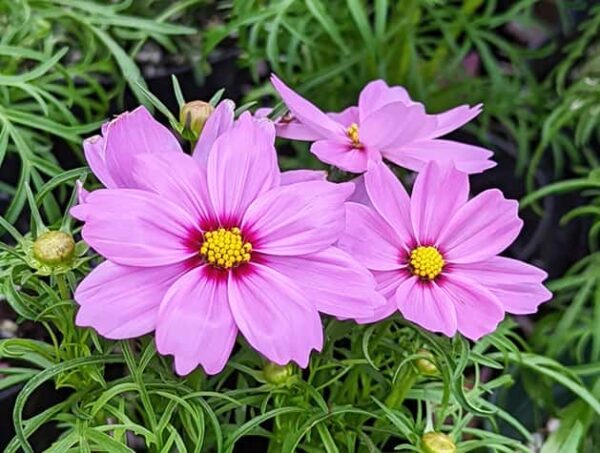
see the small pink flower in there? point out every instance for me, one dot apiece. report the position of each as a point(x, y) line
point(387, 123)
point(200, 251)
point(435, 255)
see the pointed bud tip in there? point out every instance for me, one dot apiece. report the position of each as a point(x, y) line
point(53, 248)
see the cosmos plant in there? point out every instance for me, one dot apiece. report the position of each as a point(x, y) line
point(200, 248)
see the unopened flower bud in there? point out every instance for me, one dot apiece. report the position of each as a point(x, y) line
point(277, 374)
point(433, 442)
point(53, 248)
point(425, 364)
point(193, 116)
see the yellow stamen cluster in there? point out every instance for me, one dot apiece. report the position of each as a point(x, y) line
point(225, 248)
point(426, 262)
point(352, 133)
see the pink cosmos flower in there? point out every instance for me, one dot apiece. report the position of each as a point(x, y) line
point(387, 123)
point(199, 252)
point(435, 255)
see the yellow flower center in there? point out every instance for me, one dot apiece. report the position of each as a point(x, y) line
point(225, 248)
point(426, 262)
point(352, 133)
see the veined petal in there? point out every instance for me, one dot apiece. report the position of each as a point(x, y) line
point(297, 219)
point(195, 323)
point(377, 93)
point(274, 315)
point(133, 133)
point(387, 284)
point(307, 113)
point(295, 176)
point(517, 285)
point(333, 281)
point(370, 240)
point(94, 150)
point(178, 178)
point(452, 119)
point(219, 122)
point(122, 302)
point(346, 117)
point(242, 165)
point(390, 200)
point(341, 154)
point(480, 229)
point(478, 311)
point(427, 305)
point(439, 191)
point(466, 158)
point(136, 228)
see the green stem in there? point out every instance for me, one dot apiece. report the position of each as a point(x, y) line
point(63, 288)
point(406, 379)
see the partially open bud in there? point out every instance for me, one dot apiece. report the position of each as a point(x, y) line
point(193, 116)
point(277, 374)
point(53, 248)
point(433, 442)
point(426, 365)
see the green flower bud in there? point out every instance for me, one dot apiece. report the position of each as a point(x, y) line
point(193, 116)
point(277, 374)
point(433, 442)
point(54, 248)
point(426, 365)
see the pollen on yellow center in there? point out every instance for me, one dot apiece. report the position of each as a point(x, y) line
point(225, 248)
point(426, 262)
point(352, 132)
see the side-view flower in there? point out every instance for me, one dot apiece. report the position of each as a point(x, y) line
point(434, 254)
point(199, 248)
point(387, 123)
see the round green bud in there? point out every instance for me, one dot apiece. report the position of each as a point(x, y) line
point(425, 364)
point(53, 248)
point(433, 442)
point(193, 116)
point(277, 374)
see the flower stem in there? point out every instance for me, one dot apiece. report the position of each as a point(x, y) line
point(404, 382)
point(63, 288)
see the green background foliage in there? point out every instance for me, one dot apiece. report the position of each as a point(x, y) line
point(66, 65)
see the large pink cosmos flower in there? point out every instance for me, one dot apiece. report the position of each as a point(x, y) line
point(435, 255)
point(387, 123)
point(198, 252)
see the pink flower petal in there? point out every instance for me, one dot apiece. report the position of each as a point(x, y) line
point(195, 323)
point(346, 117)
point(517, 285)
point(370, 240)
point(297, 219)
point(219, 122)
point(387, 284)
point(480, 229)
point(122, 302)
point(133, 133)
point(178, 178)
point(454, 118)
point(390, 200)
point(307, 113)
point(377, 93)
point(341, 154)
point(427, 305)
point(333, 281)
point(94, 150)
point(274, 315)
point(295, 176)
point(466, 158)
point(478, 311)
point(439, 191)
point(137, 228)
point(242, 165)
point(382, 130)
